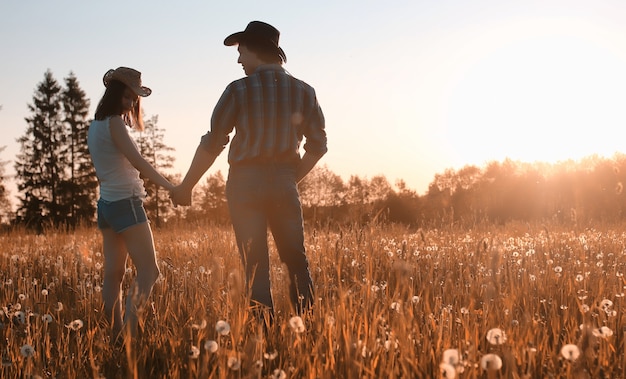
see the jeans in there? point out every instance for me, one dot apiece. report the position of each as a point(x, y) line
point(262, 196)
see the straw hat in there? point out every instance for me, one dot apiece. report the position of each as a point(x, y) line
point(130, 77)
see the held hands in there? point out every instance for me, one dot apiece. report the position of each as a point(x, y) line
point(180, 196)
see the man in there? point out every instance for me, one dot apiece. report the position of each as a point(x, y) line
point(271, 112)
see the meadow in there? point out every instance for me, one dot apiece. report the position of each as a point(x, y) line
point(512, 301)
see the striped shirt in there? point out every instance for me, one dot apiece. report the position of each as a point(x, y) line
point(271, 112)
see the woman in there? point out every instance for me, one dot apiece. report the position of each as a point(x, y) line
point(122, 218)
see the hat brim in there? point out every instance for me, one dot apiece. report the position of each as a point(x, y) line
point(236, 38)
point(142, 91)
point(233, 39)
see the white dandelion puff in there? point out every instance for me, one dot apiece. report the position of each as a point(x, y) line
point(496, 336)
point(270, 356)
point(27, 351)
point(200, 326)
point(75, 325)
point(46, 318)
point(570, 352)
point(21, 317)
point(606, 304)
point(579, 278)
point(396, 306)
point(211, 346)
point(194, 352)
point(222, 327)
point(234, 363)
point(603, 331)
point(447, 371)
point(279, 374)
point(491, 362)
point(451, 357)
point(44, 292)
point(297, 325)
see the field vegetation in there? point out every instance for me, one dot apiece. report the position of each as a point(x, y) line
point(513, 301)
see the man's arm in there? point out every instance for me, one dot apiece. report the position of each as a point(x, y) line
point(305, 166)
point(202, 161)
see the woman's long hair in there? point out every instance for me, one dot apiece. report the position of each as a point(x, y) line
point(111, 105)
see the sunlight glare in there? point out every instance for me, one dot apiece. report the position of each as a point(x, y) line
point(543, 97)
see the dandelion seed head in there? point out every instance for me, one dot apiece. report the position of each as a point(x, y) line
point(27, 351)
point(296, 324)
point(194, 352)
point(570, 352)
point(579, 278)
point(496, 336)
point(279, 374)
point(75, 325)
point(211, 346)
point(396, 306)
point(234, 363)
point(200, 326)
point(603, 331)
point(447, 371)
point(44, 292)
point(606, 304)
point(46, 318)
point(21, 317)
point(491, 362)
point(222, 327)
point(451, 357)
point(270, 356)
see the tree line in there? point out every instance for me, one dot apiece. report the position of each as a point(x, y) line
point(58, 188)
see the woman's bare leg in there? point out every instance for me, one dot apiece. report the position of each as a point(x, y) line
point(140, 245)
point(114, 252)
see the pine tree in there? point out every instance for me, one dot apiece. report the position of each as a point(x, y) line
point(81, 185)
point(154, 150)
point(5, 204)
point(40, 165)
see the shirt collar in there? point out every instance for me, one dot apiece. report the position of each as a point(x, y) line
point(270, 66)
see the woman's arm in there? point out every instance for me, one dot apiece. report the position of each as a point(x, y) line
point(122, 140)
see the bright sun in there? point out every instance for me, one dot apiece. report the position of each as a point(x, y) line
point(555, 93)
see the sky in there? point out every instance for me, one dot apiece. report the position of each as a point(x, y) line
point(408, 88)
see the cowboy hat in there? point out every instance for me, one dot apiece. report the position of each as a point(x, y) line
point(260, 34)
point(130, 77)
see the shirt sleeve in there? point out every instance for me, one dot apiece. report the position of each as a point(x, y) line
point(222, 124)
point(315, 130)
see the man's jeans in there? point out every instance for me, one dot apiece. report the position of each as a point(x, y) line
point(262, 196)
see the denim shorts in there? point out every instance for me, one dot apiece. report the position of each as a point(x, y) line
point(121, 214)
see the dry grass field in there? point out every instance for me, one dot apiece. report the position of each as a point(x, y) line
point(507, 302)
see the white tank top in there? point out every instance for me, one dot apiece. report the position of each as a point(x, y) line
point(117, 176)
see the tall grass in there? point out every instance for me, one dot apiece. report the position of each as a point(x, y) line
point(489, 303)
